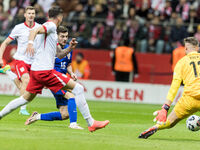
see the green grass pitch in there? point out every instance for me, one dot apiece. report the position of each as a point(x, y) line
point(127, 121)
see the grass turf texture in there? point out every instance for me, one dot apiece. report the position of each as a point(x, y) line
point(127, 122)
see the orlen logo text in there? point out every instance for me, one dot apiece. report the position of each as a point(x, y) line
point(119, 93)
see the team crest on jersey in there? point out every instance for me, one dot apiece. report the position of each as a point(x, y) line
point(22, 69)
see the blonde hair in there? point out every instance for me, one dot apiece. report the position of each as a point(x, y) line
point(191, 40)
point(29, 8)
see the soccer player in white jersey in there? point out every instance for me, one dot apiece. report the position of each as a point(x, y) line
point(23, 62)
point(43, 74)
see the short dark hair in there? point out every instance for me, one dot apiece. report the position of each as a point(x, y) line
point(29, 8)
point(55, 11)
point(191, 40)
point(62, 29)
point(80, 54)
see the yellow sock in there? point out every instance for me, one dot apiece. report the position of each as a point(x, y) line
point(165, 125)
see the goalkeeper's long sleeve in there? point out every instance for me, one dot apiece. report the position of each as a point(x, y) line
point(173, 89)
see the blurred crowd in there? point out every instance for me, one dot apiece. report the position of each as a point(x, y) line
point(148, 25)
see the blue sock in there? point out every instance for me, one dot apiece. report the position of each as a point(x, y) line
point(72, 110)
point(51, 116)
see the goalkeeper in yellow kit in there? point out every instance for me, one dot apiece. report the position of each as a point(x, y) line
point(187, 70)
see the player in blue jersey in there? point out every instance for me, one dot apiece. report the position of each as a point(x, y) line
point(65, 101)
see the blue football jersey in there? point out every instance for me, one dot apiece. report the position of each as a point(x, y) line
point(61, 64)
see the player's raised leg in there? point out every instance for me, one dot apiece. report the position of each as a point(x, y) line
point(81, 103)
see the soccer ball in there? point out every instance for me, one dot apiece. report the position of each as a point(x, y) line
point(193, 123)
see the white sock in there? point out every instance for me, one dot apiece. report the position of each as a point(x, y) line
point(81, 103)
point(23, 107)
point(12, 105)
point(73, 123)
point(38, 116)
point(11, 75)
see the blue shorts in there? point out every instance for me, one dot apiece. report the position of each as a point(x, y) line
point(60, 100)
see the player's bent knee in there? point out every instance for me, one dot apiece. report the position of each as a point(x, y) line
point(28, 96)
point(64, 112)
point(69, 95)
point(78, 89)
point(64, 115)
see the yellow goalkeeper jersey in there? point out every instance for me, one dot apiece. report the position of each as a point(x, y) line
point(187, 70)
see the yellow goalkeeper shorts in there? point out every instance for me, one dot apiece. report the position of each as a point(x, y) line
point(186, 106)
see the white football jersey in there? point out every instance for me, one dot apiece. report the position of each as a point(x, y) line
point(46, 48)
point(21, 33)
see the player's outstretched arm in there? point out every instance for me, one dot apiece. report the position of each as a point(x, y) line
point(30, 50)
point(3, 47)
point(63, 52)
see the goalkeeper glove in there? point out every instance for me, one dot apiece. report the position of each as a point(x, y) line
point(161, 115)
